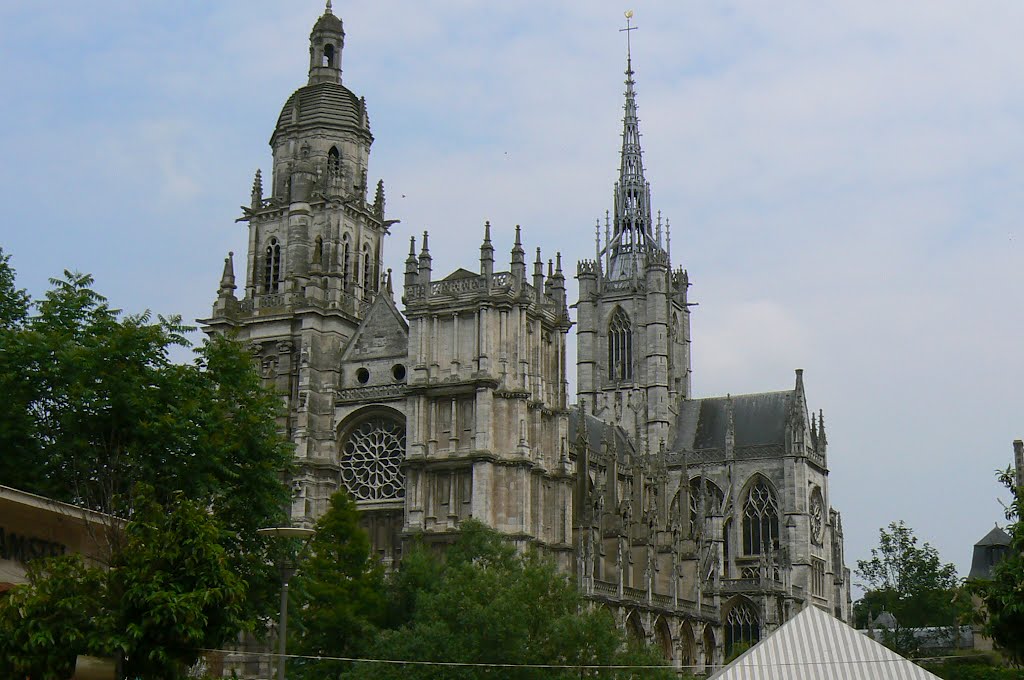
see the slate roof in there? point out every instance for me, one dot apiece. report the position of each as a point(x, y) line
point(814, 645)
point(596, 430)
point(988, 552)
point(760, 419)
point(326, 105)
point(995, 537)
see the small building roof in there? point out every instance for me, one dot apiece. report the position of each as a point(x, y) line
point(988, 552)
point(995, 537)
point(814, 645)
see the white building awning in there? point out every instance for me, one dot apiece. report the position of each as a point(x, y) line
point(814, 645)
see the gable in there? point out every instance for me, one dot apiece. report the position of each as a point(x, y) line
point(383, 333)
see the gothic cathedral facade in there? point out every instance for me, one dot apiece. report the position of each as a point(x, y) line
point(700, 523)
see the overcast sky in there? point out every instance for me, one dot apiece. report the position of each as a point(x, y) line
point(843, 180)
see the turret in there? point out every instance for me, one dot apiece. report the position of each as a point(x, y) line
point(325, 44)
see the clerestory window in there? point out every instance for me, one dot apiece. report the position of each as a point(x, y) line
point(620, 347)
point(760, 519)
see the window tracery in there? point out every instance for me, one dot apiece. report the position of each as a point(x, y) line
point(272, 267)
point(742, 627)
point(620, 347)
point(760, 519)
point(371, 457)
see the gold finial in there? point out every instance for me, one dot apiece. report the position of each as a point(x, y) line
point(629, 12)
point(629, 27)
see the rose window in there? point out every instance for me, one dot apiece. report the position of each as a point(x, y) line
point(371, 459)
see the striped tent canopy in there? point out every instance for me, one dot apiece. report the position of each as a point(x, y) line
point(814, 645)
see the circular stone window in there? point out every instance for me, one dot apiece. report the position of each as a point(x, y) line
point(371, 458)
point(363, 376)
point(398, 370)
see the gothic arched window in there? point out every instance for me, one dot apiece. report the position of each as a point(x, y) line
point(367, 271)
point(346, 261)
point(620, 347)
point(742, 627)
point(705, 500)
point(334, 163)
point(371, 456)
point(760, 519)
point(272, 267)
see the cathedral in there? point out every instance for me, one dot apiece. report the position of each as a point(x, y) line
point(701, 524)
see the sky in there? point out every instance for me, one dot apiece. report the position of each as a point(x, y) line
point(843, 182)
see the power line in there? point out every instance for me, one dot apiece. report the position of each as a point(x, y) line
point(480, 664)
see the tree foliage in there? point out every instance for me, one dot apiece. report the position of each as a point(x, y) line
point(338, 593)
point(911, 582)
point(169, 593)
point(94, 405)
point(487, 604)
point(1002, 613)
point(45, 623)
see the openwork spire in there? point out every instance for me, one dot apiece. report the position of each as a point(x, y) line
point(632, 235)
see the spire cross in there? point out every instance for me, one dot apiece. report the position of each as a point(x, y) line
point(627, 29)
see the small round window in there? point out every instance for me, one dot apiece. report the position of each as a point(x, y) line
point(398, 370)
point(363, 376)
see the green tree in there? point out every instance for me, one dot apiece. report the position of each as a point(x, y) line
point(94, 405)
point(1002, 597)
point(492, 605)
point(47, 622)
point(15, 425)
point(106, 408)
point(169, 593)
point(173, 591)
point(910, 582)
point(339, 600)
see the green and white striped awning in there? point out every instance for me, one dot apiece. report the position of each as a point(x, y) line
point(814, 645)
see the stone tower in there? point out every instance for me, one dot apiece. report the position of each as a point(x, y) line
point(488, 424)
point(313, 273)
point(633, 331)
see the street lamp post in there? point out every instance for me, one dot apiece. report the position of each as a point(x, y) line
point(287, 570)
